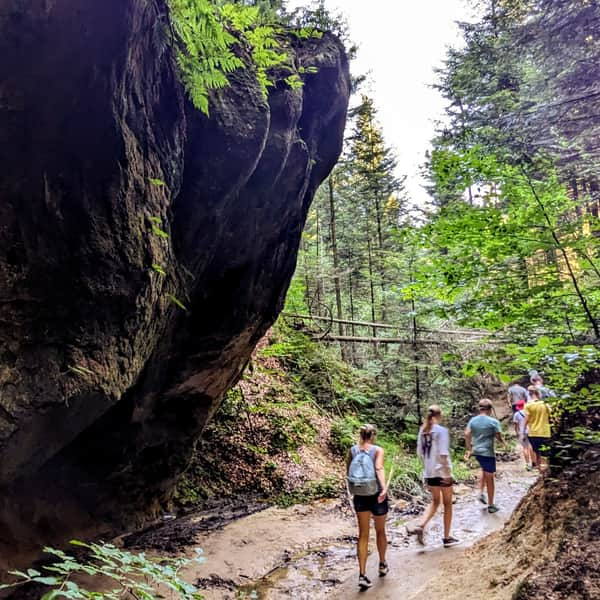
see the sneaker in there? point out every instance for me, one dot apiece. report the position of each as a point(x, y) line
point(383, 569)
point(451, 541)
point(364, 583)
point(482, 498)
point(492, 508)
point(419, 532)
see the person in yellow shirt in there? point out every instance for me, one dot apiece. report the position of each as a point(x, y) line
point(537, 423)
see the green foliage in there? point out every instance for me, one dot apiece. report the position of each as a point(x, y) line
point(204, 48)
point(133, 574)
point(178, 303)
point(208, 37)
point(319, 373)
point(343, 434)
point(328, 487)
point(80, 370)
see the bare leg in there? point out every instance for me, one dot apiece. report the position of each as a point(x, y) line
point(436, 496)
point(491, 487)
point(482, 481)
point(381, 536)
point(529, 455)
point(364, 519)
point(526, 455)
point(447, 499)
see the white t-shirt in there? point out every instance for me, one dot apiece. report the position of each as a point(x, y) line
point(519, 418)
point(430, 447)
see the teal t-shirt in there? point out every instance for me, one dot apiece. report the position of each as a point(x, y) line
point(483, 432)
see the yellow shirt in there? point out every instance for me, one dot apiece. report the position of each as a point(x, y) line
point(538, 419)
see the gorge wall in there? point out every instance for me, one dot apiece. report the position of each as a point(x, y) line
point(144, 250)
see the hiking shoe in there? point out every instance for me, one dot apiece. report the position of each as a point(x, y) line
point(364, 583)
point(383, 569)
point(492, 508)
point(419, 532)
point(451, 541)
point(482, 498)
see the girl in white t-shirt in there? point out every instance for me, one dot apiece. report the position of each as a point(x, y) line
point(433, 447)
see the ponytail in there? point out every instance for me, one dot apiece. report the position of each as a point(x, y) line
point(433, 411)
point(367, 432)
point(426, 438)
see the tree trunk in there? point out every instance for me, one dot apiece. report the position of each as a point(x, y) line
point(336, 269)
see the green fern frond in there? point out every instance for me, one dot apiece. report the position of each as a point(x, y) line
point(206, 35)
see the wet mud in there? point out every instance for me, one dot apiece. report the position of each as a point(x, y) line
point(175, 535)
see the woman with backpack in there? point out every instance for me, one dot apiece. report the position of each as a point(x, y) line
point(366, 481)
point(433, 447)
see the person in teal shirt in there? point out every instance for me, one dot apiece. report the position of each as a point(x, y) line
point(480, 436)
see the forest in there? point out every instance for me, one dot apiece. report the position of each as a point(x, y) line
point(214, 274)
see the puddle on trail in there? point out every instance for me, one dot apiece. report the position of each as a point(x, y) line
point(328, 570)
point(319, 569)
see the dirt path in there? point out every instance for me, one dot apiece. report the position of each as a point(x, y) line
point(309, 551)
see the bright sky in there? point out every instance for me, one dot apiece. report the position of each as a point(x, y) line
point(401, 42)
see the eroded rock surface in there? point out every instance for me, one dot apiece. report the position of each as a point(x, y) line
point(109, 369)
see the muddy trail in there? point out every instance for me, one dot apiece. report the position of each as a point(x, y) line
point(308, 551)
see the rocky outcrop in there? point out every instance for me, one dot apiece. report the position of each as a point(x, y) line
point(144, 250)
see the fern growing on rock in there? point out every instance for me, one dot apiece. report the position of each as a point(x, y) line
point(206, 34)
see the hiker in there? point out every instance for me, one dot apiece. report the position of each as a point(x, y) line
point(521, 433)
point(538, 383)
point(433, 447)
point(481, 433)
point(516, 393)
point(366, 481)
point(537, 421)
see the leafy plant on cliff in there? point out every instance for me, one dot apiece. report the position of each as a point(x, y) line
point(206, 34)
point(135, 575)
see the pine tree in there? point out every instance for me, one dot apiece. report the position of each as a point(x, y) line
point(373, 164)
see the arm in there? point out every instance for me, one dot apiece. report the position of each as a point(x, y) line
point(446, 470)
point(526, 419)
point(468, 444)
point(501, 439)
point(380, 471)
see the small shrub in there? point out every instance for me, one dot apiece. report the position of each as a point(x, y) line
point(344, 434)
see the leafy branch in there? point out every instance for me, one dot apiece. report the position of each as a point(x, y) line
point(133, 574)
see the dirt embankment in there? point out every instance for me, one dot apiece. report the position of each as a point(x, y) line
point(550, 549)
point(266, 442)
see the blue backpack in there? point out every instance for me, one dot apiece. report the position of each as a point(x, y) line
point(362, 479)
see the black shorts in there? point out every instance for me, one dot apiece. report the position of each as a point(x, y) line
point(540, 445)
point(370, 504)
point(435, 482)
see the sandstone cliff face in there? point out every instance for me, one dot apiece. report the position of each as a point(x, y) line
point(109, 369)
